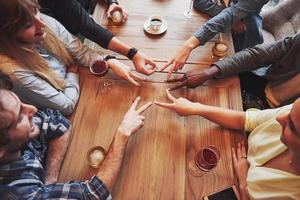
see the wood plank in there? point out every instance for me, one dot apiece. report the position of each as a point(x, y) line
point(162, 47)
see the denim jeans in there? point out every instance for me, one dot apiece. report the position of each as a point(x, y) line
point(223, 19)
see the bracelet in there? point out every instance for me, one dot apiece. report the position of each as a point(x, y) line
point(108, 57)
point(132, 51)
point(113, 1)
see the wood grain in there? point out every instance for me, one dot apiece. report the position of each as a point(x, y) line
point(156, 163)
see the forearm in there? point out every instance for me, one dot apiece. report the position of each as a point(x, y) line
point(225, 117)
point(111, 165)
point(118, 46)
point(191, 43)
point(256, 57)
point(56, 152)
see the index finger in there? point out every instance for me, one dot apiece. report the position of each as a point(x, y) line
point(234, 158)
point(144, 107)
point(135, 103)
point(172, 80)
point(148, 71)
point(170, 96)
point(180, 85)
point(166, 65)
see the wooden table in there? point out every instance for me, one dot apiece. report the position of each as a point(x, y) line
point(156, 162)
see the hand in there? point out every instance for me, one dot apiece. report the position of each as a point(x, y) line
point(133, 120)
point(50, 180)
point(194, 78)
point(240, 164)
point(73, 69)
point(140, 61)
point(181, 105)
point(239, 27)
point(124, 71)
point(178, 61)
point(114, 7)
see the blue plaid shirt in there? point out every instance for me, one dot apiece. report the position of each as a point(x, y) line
point(24, 178)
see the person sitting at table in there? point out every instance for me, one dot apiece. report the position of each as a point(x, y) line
point(73, 15)
point(241, 16)
point(276, 71)
point(271, 170)
point(32, 147)
point(40, 58)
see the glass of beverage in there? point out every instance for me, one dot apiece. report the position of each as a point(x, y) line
point(207, 158)
point(188, 13)
point(106, 86)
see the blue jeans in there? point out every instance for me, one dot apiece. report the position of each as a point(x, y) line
point(222, 20)
point(253, 34)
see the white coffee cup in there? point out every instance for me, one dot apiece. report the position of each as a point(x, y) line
point(155, 22)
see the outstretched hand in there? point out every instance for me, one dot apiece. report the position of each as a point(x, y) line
point(124, 71)
point(141, 61)
point(181, 105)
point(195, 78)
point(240, 163)
point(133, 120)
point(178, 61)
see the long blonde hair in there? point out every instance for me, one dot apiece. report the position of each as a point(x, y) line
point(14, 15)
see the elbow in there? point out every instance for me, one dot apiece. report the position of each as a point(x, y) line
point(68, 108)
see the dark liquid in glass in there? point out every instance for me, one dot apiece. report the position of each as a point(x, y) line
point(99, 67)
point(206, 159)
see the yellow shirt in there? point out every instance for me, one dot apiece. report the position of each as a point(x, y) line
point(264, 144)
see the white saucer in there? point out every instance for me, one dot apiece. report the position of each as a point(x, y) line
point(162, 29)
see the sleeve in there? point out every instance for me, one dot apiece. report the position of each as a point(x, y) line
point(40, 93)
point(255, 117)
point(92, 189)
point(82, 54)
point(256, 57)
point(209, 7)
point(225, 19)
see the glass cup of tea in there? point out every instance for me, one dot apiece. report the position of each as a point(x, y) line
point(117, 17)
point(155, 22)
point(207, 158)
point(95, 156)
point(219, 50)
point(204, 161)
point(99, 68)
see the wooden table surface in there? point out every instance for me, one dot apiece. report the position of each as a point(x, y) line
point(157, 157)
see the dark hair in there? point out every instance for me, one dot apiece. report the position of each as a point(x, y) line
point(5, 82)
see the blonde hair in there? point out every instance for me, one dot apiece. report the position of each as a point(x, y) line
point(14, 15)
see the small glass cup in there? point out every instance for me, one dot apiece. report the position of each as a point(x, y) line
point(219, 50)
point(207, 158)
point(117, 17)
point(188, 13)
point(99, 68)
point(95, 156)
point(204, 160)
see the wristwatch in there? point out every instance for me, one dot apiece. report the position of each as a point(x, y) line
point(132, 51)
point(108, 57)
point(113, 1)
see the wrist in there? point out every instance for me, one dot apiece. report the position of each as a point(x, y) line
point(132, 52)
point(123, 134)
point(214, 70)
point(191, 43)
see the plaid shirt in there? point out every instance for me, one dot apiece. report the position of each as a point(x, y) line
point(24, 178)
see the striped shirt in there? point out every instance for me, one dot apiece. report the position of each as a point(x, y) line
point(24, 178)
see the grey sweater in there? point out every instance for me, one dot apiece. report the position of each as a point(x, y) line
point(277, 62)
